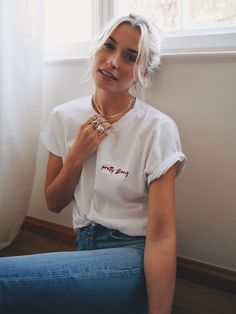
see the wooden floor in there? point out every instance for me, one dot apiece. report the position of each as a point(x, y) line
point(190, 297)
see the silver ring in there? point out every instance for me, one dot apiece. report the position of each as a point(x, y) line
point(100, 129)
point(95, 124)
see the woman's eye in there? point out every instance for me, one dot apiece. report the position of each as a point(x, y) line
point(109, 45)
point(130, 58)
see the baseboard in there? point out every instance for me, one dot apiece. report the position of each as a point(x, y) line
point(206, 274)
point(49, 229)
point(188, 269)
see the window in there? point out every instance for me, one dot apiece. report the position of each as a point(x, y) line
point(179, 15)
point(69, 27)
point(186, 25)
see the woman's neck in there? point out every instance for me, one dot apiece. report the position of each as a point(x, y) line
point(112, 103)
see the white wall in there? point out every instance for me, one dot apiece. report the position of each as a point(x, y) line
point(200, 94)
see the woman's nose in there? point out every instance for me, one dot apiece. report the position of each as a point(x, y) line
point(113, 61)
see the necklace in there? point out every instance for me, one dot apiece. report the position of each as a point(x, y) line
point(117, 114)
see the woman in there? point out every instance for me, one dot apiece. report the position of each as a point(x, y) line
point(116, 158)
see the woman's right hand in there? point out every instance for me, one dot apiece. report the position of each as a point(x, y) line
point(62, 178)
point(89, 138)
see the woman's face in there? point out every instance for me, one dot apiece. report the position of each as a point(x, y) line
point(114, 63)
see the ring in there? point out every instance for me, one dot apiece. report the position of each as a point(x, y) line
point(95, 124)
point(100, 129)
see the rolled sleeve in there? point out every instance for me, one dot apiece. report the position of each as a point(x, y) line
point(165, 151)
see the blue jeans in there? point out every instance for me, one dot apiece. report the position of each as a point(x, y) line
point(104, 277)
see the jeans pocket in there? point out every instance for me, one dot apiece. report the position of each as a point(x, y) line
point(123, 239)
point(116, 234)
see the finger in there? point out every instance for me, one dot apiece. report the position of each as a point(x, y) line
point(86, 123)
point(105, 133)
point(92, 117)
point(99, 129)
point(96, 134)
point(96, 127)
point(95, 117)
point(106, 125)
point(102, 119)
point(92, 125)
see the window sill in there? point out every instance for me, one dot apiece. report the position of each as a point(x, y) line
point(192, 57)
point(214, 40)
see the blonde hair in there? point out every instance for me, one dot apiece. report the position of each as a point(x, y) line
point(149, 46)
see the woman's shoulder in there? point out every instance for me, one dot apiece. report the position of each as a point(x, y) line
point(151, 114)
point(72, 107)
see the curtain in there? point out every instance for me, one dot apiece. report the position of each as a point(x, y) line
point(21, 56)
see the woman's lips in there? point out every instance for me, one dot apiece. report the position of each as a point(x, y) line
point(107, 75)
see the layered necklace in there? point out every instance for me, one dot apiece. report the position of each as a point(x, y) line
point(117, 115)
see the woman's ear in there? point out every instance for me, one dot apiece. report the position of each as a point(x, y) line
point(137, 85)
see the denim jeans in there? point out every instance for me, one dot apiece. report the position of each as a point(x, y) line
point(104, 277)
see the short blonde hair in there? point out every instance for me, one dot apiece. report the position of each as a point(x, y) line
point(149, 46)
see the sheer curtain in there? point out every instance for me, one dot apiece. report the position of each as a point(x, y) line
point(21, 55)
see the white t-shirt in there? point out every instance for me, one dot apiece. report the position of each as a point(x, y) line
point(113, 186)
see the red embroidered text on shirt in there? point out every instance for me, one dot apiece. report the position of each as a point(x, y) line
point(107, 169)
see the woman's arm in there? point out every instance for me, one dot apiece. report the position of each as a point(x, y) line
point(61, 179)
point(160, 249)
